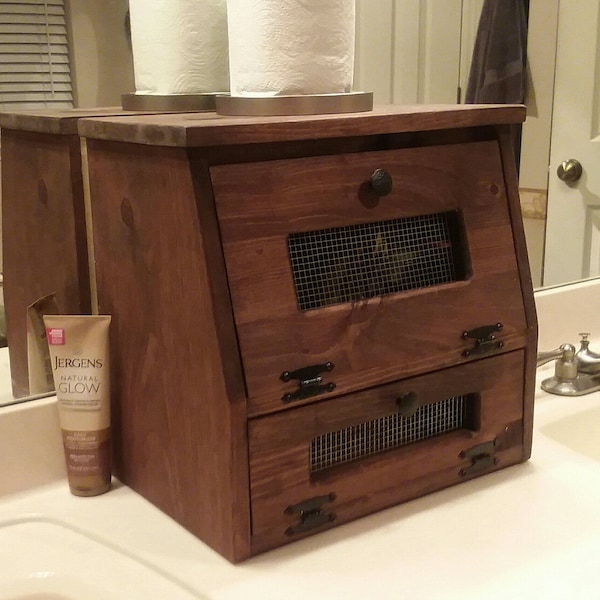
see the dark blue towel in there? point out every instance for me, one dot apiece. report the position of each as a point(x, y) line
point(498, 66)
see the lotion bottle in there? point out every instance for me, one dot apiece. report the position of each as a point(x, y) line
point(78, 346)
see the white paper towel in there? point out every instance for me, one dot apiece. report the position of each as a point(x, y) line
point(279, 47)
point(179, 46)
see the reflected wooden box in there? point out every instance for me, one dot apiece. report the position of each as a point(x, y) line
point(314, 318)
point(43, 220)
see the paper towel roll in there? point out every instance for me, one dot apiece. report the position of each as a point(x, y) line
point(179, 46)
point(279, 47)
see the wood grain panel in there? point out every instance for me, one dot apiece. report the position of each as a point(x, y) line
point(514, 206)
point(211, 130)
point(280, 447)
point(179, 400)
point(43, 223)
point(59, 121)
point(377, 339)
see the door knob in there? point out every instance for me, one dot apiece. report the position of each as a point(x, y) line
point(569, 171)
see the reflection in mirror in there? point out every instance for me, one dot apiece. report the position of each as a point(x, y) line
point(5, 387)
point(65, 54)
point(3, 341)
point(573, 225)
point(406, 53)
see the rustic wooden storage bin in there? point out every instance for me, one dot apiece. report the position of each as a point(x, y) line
point(313, 317)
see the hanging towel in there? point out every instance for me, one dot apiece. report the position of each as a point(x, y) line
point(498, 66)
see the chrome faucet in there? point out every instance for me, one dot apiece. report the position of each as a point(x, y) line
point(575, 373)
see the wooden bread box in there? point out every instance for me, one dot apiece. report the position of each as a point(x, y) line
point(314, 317)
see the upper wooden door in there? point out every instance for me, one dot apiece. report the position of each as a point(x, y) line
point(323, 271)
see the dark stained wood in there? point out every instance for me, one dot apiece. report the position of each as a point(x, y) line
point(280, 447)
point(378, 339)
point(191, 259)
point(44, 245)
point(56, 121)
point(244, 153)
point(514, 206)
point(210, 129)
point(44, 232)
point(179, 401)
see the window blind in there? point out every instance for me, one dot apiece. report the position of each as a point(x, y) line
point(34, 55)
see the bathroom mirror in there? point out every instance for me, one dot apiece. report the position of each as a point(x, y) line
point(407, 51)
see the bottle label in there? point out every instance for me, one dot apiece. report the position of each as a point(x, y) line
point(87, 453)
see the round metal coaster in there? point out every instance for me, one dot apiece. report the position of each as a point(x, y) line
point(309, 104)
point(169, 102)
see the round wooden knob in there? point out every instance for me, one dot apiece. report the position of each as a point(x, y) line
point(381, 182)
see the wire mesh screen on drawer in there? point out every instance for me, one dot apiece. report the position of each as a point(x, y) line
point(392, 431)
point(345, 264)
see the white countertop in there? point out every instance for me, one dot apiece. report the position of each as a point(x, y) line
point(528, 531)
point(5, 382)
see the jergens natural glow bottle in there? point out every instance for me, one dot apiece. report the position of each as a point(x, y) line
point(79, 353)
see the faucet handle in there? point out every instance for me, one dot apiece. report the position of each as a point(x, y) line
point(565, 369)
point(587, 360)
point(565, 352)
point(584, 343)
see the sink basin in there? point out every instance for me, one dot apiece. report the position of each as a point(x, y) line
point(579, 432)
point(46, 559)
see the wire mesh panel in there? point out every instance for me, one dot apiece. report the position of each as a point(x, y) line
point(392, 431)
point(345, 264)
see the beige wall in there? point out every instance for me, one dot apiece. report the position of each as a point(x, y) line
point(100, 52)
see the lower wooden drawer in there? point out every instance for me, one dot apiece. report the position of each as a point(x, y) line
point(328, 463)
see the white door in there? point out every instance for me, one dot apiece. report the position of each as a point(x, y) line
point(573, 222)
point(414, 51)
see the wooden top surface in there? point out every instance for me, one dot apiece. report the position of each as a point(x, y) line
point(57, 121)
point(204, 129)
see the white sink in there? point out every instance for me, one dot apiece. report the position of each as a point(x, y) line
point(579, 431)
point(46, 559)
